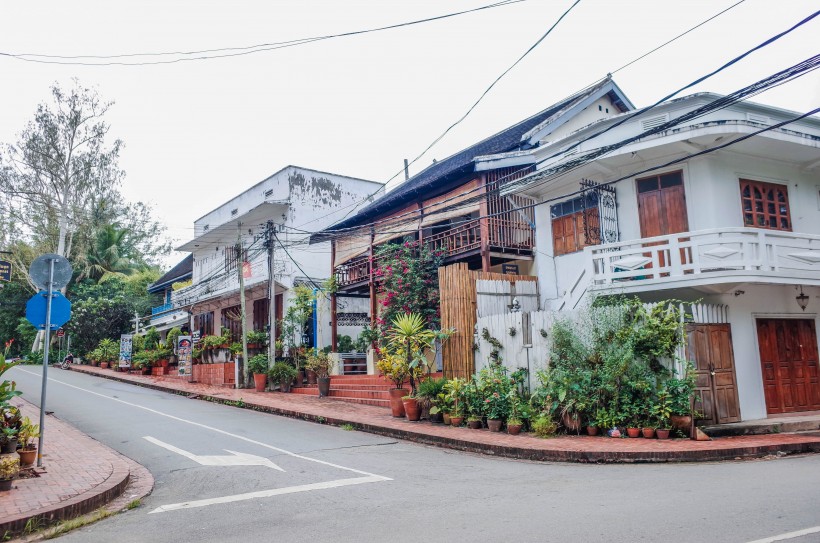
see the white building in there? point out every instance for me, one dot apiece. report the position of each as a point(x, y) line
point(738, 228)
point(233, 237)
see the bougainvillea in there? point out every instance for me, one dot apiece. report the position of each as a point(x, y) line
point(408, 279)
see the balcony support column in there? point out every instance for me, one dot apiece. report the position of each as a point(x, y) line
point(334, 332)
point(371, 280)
point(484, 226)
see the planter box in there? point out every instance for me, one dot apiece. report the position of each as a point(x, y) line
point(157, 370)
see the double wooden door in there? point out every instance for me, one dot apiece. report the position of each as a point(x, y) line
point(709, 349)
point(788, 356)
point(662, 211)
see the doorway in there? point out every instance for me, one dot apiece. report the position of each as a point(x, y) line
point(788, 356)
point(709, 349)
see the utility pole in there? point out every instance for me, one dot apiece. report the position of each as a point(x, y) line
point(269, 231)
point(136, 323)
point(240, 268)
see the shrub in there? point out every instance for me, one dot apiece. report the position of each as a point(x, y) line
point(258, 363)
point(544, 426)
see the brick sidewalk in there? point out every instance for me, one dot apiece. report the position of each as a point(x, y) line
point(78, 475)
point(378, 420)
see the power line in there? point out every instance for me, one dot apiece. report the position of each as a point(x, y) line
point(633, 61)
point(206, 54)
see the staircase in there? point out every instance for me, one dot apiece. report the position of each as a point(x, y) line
point(363, 389)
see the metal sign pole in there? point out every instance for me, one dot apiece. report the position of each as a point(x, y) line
point(45, 363)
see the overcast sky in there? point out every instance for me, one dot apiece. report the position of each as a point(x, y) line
point(200, 132)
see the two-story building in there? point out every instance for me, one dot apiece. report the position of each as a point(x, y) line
point(683, 211)
point(455, 206)
point(235, 238)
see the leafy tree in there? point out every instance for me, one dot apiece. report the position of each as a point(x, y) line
point(106, 257)
point(95, 319)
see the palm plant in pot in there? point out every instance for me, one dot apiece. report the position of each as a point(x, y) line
point(282, 373)
point(410, 337)
point(258, 365)
point(427, 396)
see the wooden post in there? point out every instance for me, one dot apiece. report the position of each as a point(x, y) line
point(334, 344)
point(372, 282)
point(484, 225)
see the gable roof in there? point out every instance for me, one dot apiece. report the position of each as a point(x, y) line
point(522, 135)
point(180, 272)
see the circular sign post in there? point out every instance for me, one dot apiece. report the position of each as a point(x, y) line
point(49, 272)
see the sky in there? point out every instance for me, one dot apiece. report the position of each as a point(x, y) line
point(199, 132)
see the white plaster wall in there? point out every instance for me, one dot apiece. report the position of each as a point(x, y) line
point(760, 301)
point(585, 117)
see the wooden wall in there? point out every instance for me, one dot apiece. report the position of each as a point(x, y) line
point(457, 284)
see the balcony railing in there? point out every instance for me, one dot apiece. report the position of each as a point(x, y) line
point(717, 255)
point(162, 308)
point(505, 235)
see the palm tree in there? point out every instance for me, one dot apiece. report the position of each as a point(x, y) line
point(411, 337)
point(106, 257)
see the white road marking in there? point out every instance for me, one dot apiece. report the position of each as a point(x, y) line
point(235, 458)
point(217, 430)
point(789, 535)
point(268, 493)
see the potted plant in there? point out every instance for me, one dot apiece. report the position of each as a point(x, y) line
point(663, 412)
point(681, 392)
point(10, 422)
point(258, 365)
point(9, 468)
point(514, 421)
point(28, 432)
point(427, 395)
point(282, 373)
point(454, 393)
point(257, 339)
point(321, 364)
point(394, 368)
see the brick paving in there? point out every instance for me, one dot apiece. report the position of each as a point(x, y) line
point(78, 475)
point(378, 420)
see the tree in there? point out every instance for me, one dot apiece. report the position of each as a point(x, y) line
point(106, 257)
point(60, 164)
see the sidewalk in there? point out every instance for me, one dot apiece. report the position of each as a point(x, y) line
point(78, 475)
point(378, 420)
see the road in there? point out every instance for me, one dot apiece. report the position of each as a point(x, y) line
point(227, 474)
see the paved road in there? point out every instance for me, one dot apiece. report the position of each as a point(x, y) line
point(301, 481)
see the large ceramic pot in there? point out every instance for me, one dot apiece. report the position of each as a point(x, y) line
point(311, 377)
point(284, 385)
point(411, 409)
point(27, 457)
point(5, 484)
point(662, 433)
point(8, 446)
point(592, 430)
point(456, 421)
point(474, 424)
point(494, 425)
point(259, 381)
point(513, 429)
point(648, 432)
point(445, 417)
point(682, 422)
point(633, 432)
point(396, 405)
point(324, 386)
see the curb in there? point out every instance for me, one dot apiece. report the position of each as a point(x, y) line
point(523, 453)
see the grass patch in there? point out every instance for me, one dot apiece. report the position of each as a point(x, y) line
point(348, 427)
point(133, 504)
point(69, 525)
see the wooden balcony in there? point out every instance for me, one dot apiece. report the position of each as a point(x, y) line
point(505, 236)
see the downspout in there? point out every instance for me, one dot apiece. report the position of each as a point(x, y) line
point(315, 322)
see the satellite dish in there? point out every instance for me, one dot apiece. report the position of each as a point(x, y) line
point(39, 271)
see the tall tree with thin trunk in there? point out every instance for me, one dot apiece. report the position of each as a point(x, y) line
point(60, 163)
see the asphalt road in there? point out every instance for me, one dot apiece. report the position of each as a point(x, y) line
point(308, 482)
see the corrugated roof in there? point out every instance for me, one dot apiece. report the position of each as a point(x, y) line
point(181, 271)
point(437, 174)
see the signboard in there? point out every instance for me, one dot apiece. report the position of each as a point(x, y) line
point(184, 354)
point(247, 271)
point(60, 332)
point(36, 310)
point(5, 270)
point(196, 335)
point(126, 343)
point(509, 269)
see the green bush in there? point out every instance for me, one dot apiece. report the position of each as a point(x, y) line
point(544, 426)
point(258, 363)
point(282, 371)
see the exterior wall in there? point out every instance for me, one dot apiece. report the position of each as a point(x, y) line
point(585, 117)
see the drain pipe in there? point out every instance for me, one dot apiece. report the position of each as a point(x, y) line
point(315, 322)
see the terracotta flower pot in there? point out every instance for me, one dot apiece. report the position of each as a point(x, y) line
point(648, 433)
point(5, 484)
point(396, 405)
point(284, 385)
point(311, 377)
point(456, 421)
point(474, 424)
point(104, 365)
point(592, 430)
point(411, 409)
point(513, 429)
point(446, 418)
point(27, 456)
point(259, 381)
point(633, 432)
point(663, 433)
point(682, 422)
point(494, 425)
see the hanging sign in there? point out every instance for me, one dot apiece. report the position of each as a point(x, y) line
point(184, 355)
point(247, 271)
point(5, 270)
point(126, 345)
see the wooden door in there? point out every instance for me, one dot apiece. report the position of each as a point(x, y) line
point(662, 209)
point(709, 349)
point(788, 356)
